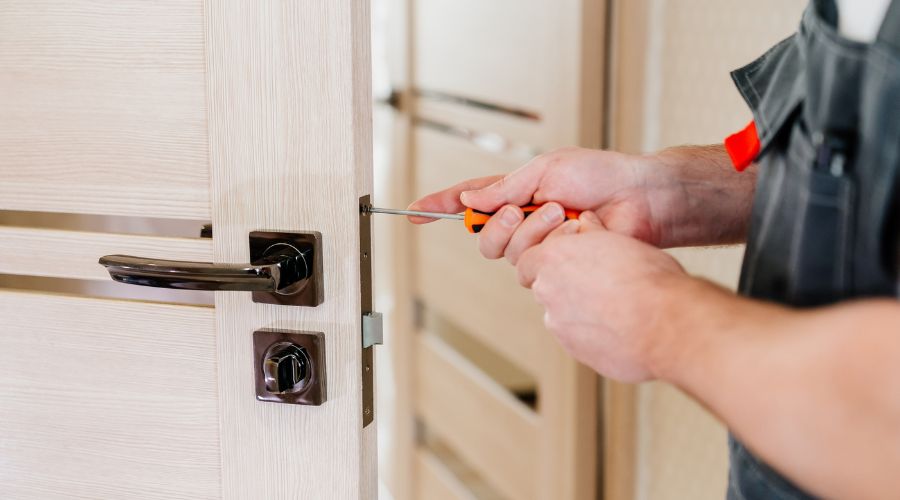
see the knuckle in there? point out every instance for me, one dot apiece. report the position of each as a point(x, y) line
point(512, 253)
point(493, 240)
point(542, 291)
point(489, 249)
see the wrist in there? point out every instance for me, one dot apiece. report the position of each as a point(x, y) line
point(698, 321)
point(710, 329)
point(703, 201)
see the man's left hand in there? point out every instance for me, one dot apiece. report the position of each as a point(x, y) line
point(604, 295)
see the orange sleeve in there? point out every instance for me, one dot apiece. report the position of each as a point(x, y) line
point(743, 147)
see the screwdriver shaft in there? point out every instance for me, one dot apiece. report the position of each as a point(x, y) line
point(415, 213)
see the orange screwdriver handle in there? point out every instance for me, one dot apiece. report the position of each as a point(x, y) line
point(475, 220)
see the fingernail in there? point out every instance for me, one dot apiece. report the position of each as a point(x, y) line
point(571, 227)
point(464, 197)
point(509, 216)
point(589, 216)
point(553, 213)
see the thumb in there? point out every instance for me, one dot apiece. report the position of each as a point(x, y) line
point(590, 222)
point(517, 188)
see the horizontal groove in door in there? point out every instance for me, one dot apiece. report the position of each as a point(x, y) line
point(481, 296)
point(492, 363)
point(479, 420)
point(475, 103)
point(452, 278)
point(534, 134)
point(435, 481)
point(109, 289)
point(181, 228)
point(107, 399)
point(74, 254)
point(488, 141)
point(104, 108)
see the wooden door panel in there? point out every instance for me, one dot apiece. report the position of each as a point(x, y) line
point(103, 108)
point(499, 34)
point(106, 399)
point(251, 115)
point(291, 150)
point(529, 71)
point(503, 435)
point(452, 277)
point(435, 481)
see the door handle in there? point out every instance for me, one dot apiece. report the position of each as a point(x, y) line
point(279, 272)
point(284, 268)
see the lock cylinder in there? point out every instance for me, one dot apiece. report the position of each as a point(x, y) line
point(286, 368)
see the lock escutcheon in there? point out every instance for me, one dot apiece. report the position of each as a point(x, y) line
point(289, 366)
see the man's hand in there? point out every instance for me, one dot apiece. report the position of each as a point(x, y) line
point(678, 197)
point(580, 179)
point(815, 392)
point(602, 295)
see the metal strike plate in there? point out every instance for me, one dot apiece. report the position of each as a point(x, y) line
point(289, 366)
point(310, 292)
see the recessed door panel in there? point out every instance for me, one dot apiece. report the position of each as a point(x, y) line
point(103, 108)
point(106, 399)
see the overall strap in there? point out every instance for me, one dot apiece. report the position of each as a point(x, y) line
point(890, 29)
point(889, 36)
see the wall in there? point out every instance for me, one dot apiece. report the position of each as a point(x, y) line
point(670, 86)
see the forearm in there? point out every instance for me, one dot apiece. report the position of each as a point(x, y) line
point(711, 204)
point(814, 393)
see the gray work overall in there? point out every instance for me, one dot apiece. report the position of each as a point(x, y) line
point(824, 225)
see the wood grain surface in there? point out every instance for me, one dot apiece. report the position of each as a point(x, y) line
point(290, 143)
point(106, 399)
point(435, 481)
point(482, 422)
point(103, 108)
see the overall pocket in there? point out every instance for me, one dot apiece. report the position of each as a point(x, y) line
point(823, 237)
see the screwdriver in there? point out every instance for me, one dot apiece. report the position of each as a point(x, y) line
point(473, 219)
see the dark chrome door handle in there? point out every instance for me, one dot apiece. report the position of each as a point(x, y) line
point(283, 264)
point(279, 272)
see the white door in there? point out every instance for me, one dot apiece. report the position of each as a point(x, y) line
point(253, 116)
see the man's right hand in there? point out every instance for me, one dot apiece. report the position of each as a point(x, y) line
point(639, 196)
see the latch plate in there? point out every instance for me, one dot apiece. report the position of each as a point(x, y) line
point(366, 306)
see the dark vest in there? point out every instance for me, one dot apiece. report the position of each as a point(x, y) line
point(824, 225)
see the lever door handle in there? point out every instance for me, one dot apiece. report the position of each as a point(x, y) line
point(279, 272)
point(283, 264)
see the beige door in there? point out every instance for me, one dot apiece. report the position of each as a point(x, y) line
point(488, 405)
point(121, 123)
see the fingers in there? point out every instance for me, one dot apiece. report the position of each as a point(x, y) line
point(529, 265)
point(534, 229)
point(589, 221)
point(495, 236)
point(533, 258)
point(517, 188)
point(447, 201)
point(567, 227)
